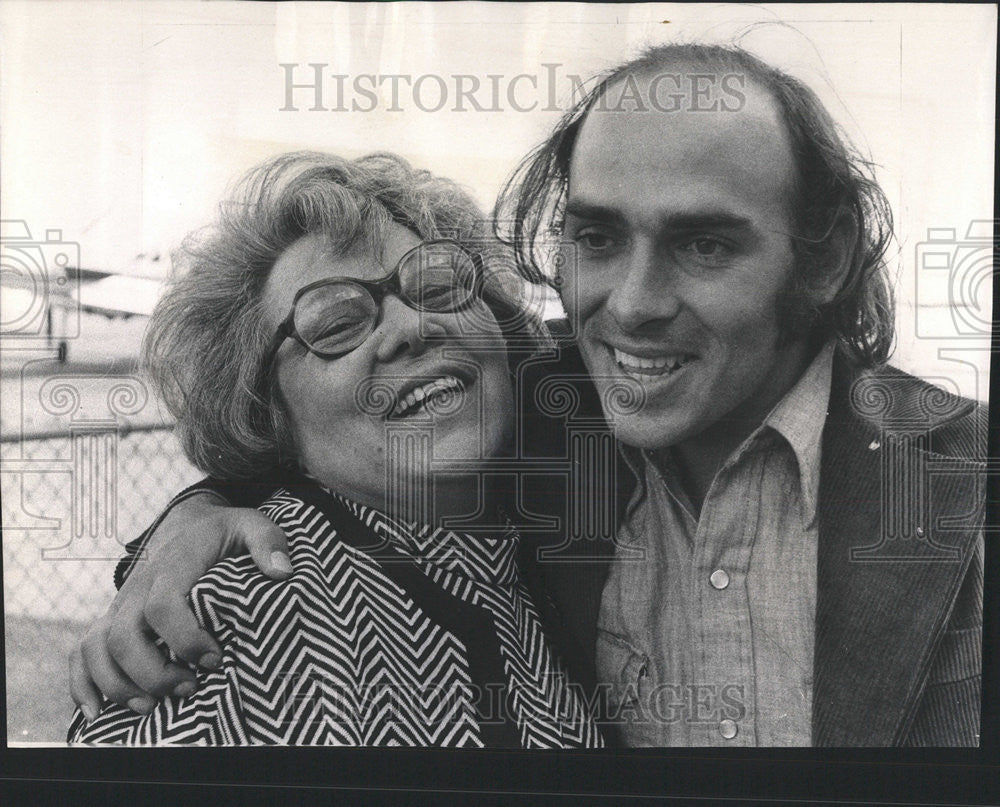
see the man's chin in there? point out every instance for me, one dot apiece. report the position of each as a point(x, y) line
point(648, 432)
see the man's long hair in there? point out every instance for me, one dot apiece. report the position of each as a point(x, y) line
point(837, 198)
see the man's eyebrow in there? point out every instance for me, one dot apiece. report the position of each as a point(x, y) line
point(594, 212)
point(684, 221)
point(706, 220)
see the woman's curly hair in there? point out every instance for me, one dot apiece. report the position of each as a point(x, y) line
point(205, 344)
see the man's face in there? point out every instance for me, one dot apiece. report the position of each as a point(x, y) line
point(681, 224)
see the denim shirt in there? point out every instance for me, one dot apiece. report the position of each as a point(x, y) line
point(708, 641)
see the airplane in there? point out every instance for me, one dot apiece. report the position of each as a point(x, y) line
point(44, 289)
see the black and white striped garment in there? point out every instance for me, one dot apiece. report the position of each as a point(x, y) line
point(383, 635)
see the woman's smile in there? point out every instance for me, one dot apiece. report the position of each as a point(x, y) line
point(416, 368)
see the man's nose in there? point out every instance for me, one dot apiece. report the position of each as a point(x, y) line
point(644, 292)
point(402, 330)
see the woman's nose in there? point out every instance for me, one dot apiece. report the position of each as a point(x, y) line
point(403, 330)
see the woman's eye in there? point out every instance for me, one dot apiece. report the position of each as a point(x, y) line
point(436, 293)
point(335, 330)
point(334, 327)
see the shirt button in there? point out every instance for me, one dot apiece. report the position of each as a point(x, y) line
point(719, 580)
point(728, 728)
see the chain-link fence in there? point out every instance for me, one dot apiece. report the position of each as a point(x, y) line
point(71, 499)
point(70, 503)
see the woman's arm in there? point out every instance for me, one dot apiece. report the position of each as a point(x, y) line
point(118, 655)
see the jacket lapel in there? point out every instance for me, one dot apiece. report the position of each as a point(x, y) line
point(882, 605)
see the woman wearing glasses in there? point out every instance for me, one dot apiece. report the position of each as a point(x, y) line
point(343, 331)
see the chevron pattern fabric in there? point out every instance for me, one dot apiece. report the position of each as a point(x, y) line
point(385, 635)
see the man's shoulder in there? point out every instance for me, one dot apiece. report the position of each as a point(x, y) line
point(891, 399)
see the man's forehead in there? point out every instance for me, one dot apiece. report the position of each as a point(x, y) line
point(751, 118)
point(690, 158)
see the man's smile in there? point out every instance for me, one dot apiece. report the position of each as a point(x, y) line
point(651, 366)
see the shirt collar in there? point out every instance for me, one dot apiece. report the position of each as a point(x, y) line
point(799, 417)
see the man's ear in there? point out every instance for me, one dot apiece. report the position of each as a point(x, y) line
point(840, 255)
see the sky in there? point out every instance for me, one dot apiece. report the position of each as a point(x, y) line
point(124, 123)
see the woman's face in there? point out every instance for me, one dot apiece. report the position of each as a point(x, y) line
point(418, 372)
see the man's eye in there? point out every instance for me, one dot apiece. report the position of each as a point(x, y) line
point(708, 250)
point(594, 241)
point(706, 246)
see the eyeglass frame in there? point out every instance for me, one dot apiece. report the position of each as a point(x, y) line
point(378, 290)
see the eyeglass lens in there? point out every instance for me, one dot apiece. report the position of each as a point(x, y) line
point(338, 317)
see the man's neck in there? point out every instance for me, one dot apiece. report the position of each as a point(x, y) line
point(699, 458)
point(697, 467)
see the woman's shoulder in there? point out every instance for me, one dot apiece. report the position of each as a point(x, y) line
point(273, 634)
point(326, 547)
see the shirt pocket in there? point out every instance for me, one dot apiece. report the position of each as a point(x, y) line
point(624, 673)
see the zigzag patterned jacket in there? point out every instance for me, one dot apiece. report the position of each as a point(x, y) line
point(382, 636)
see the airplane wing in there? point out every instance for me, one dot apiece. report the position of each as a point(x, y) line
point(120, 295)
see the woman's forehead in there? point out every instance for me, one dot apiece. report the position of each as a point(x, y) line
point(312, 258)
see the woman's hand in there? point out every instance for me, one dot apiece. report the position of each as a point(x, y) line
point(118, 655)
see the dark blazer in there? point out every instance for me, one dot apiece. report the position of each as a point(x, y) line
point(898, 652)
